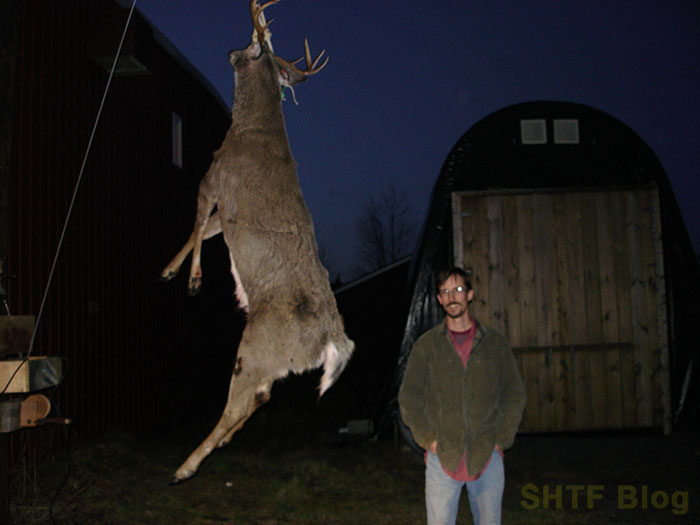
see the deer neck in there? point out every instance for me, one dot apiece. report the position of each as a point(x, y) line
point(257, 99)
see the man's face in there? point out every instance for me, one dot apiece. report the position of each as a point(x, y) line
point(454, 297)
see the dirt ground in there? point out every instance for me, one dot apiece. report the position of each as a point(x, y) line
point(294, 469)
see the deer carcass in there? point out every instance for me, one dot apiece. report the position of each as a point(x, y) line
point(293, 324)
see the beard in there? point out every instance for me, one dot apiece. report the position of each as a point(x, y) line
point(454, 313)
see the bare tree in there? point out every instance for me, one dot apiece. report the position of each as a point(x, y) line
point(385, 230)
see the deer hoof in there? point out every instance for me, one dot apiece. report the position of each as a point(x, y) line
point(167, 276)
point(180, 476)
point(195, 286)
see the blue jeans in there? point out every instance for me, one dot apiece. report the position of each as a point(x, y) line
point(485, 493)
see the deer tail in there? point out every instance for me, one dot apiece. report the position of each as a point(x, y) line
point(336, 355)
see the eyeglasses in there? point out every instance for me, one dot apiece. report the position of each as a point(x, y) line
point(454, 291)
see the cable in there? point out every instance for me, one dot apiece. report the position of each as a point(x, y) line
point(80, 176)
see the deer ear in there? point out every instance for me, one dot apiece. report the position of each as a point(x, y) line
point(289, 77)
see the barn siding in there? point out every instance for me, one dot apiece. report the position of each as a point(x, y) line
point(128, 342)
point(573, 279)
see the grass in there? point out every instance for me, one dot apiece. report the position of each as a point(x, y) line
point(285, 470)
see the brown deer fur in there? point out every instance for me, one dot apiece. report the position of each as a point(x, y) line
point(293, 324)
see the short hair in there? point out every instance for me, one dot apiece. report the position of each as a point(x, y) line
point(454, 271)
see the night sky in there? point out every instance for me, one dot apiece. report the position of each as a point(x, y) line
point(406, 79)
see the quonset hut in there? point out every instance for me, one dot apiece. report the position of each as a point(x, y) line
point(580, 256)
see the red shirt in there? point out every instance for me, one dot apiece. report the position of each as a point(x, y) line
point(463, 342)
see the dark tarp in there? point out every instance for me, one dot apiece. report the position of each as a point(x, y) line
point(490, 156)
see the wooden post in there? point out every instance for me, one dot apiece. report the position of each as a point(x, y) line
point(662, 309)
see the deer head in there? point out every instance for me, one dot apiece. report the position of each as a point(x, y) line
point(260, 49)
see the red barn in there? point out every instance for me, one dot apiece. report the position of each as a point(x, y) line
point(136, 353)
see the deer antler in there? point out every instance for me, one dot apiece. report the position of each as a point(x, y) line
point(310, 65)
point(255, 12)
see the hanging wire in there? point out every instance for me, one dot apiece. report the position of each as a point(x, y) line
point(80, 176)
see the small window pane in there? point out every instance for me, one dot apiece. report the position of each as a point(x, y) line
point(566, 131)
point(177, 140)
point(533, 131)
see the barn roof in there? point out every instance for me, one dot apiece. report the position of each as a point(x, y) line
point(562, 145)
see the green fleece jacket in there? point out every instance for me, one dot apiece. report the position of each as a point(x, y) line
point(470, 409)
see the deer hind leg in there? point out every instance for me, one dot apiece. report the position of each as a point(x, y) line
point(261, 398)
point(243, 400)
point(171, 270)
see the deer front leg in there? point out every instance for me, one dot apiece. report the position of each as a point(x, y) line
point(242, 402)
point(173, 267)
point(204, 206)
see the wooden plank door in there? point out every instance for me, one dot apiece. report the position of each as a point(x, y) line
point(575, 280)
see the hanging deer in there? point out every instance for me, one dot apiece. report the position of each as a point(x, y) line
point(293, 324)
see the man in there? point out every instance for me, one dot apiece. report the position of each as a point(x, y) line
point(463, 399)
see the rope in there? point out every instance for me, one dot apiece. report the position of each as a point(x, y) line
point(80, 176)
